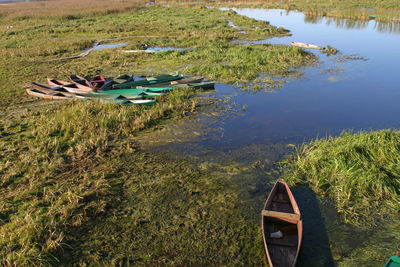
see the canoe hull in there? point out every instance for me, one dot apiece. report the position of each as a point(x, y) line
point(148, 81)
point(135, 91)
point(55, 96)
point(281, 216)
point(70, 87)
point(80, 80)
point(307, 46)
point(97, 82)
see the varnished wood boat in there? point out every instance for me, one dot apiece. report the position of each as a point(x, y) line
point(282, 227)
point(70, 87)
point(46, 89)
point(80, 80)
point(307, 46)
point(97, 82)
point(53, 96)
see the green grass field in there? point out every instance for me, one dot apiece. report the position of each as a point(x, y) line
point(359, 171)
point(75, 187)
point(67, 168)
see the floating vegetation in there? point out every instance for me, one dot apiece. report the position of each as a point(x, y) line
point(333, 79)
point(329, 50)
point(331, 71)
point(346, 58)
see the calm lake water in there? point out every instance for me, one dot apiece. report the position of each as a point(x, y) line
point(359, 94)
point(357, 89)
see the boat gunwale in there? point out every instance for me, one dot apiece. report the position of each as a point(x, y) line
point(298, 223)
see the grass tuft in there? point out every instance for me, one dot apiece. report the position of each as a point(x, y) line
point(359, 171)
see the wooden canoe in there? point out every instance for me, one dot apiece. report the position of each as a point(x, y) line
point(46, 89)
point(80, 80)
point(97, 82)
point(54, 96)
point(307, 46)
point(70, 87)
point(282, 227)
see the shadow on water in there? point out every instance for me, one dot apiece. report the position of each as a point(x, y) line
point(315, 249)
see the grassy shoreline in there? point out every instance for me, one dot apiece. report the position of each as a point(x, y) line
point(59, 164)
point(364, 10)
point(73, 181)
point(360, 172)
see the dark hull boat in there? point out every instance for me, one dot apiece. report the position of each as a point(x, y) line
point(282, 227)
point(148, 81)
point(97, 82)
point(70, 87)
point(54, 96)
point(46, 89)
point(80, 80)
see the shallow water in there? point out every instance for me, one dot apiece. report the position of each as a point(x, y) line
point(357, 89)
point(106, 46)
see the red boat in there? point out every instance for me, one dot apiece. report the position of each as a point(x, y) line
point(97, 82)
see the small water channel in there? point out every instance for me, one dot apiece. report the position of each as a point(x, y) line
point(357, 89)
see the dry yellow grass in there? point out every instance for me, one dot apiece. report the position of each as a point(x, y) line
point(66, 7)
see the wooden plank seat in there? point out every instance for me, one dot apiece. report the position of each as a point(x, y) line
point(280, 243)
point(281, 215)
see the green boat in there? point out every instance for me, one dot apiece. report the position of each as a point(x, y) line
point(121, 101)
point(394, 261)
point(148, 81)
point(119, 80)
point(203, 85)
point(134, 91)
point(108, 96)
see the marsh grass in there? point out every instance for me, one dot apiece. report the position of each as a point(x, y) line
point(29, 45)
point(359, 171)
point(47, 166)
point(56, 158)
point(329, 50)
point(169, 212)
point(383, 11)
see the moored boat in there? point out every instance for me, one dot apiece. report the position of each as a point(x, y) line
point(126, 102)
point(282, 227)
point(203, 85)
point(308, 46)
point(149, 81)
point(70, 87)
point(97, 82)
point(80, 80)
point(116, 96)
point(49, 89)
point(133, 91)
point(54, 96)
point(394, 261)
point(121, 79)
point(177, 82)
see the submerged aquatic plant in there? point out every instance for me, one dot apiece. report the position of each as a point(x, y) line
point(329, 50)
